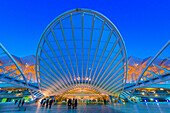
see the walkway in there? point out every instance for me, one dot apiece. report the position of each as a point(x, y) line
point(116, 108)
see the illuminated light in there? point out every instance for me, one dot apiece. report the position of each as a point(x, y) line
point(40, 100)
point(167, 100)
point(151, 99)
point(143, 93)
point(145, 100)
point(161, 89)
point(32, 99)
point(136, 64)
point(78, 78)
point(156, 100)
point(156, 95)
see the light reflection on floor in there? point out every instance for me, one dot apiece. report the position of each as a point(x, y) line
point(115, 108)
point(142, 107)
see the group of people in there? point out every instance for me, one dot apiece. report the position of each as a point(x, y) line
point(47, 102)
point(20, 103)
point(72, 103)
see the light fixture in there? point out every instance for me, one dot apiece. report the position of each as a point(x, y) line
point(156, 100)
point(161, 89)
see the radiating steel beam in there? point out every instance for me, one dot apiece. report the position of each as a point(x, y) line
point(67, 50)
point(74, 47)
point(116, 87)
point(51, 86)
point(102, 54)
point(56, 66)
point(48, 73)
point(90, 46)
point(110, 71)
point(82, 47)
point(50, 58)
point(108, 59)
point(97, 49)
point(117, 82)
point(58, 77)
point(114, 78)
point(54, 83)
point(62, 57)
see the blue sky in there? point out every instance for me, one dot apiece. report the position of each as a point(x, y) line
point(143, 24)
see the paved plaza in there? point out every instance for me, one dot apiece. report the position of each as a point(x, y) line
point(115, 108)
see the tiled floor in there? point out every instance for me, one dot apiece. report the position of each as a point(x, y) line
point(115, 108)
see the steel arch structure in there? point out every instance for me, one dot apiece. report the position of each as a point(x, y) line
point(81, 48)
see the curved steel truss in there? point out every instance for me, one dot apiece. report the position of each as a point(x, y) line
point(81, 48)
point(156, 71)
point(160, 70)
point(10, 72)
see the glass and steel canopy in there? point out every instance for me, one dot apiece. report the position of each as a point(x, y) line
point(81, 48)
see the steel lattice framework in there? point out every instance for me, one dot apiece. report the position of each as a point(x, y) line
point(160, 72)
point(10, 71)
point(156, 71)
point(81, 48)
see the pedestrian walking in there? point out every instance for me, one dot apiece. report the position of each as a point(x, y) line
point(47, 103)
point(41, 102)
point(76, 104)
point(19, 103)
point(44, 102)
point(73, 104)
point(16, 102)
point(104, 101)
point(69, 104)
point(51, 102)
point(23, 101)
